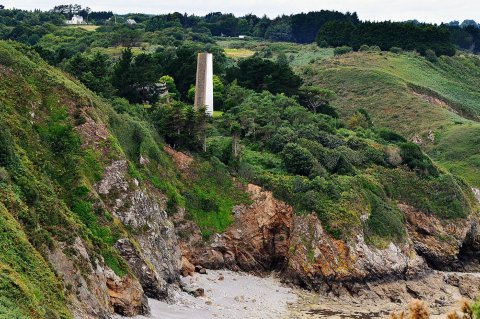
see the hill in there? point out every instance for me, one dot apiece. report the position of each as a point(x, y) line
point(98, 212)
point(436, 104)
point(84, 195)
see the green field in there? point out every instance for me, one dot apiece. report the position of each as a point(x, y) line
point(84, 27)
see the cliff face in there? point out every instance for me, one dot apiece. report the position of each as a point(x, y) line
point(97, 239)
point(267, 235)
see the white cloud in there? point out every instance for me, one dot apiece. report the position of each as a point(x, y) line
point(397, 10)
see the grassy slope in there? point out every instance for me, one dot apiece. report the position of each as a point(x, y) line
point(43, 200)
point(412, 96)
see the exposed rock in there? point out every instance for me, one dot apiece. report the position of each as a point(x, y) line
point(196, 292)
point(257, 241)
point(153, 286)
point(438, 241)
point(87, 285)
point(468, 285)
point(96, 290)
point(126, 295)
point(187, 267)
point(142, 208)
point(476, 192)
point(266, 235)
point(319, 261)
point(182, 160)
point(200, 269)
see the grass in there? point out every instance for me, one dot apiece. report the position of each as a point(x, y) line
point(412, 96)
point(87, 27)
point(116, 52)
point(217, 114)
point(238, 53)
point(298, 55)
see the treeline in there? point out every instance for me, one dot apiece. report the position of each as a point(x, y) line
point(301, 28)
point(408, 36)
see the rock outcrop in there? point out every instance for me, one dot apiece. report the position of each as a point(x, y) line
point(267, 235)
point(95, 291)
point(257, 241)
point(155, 259)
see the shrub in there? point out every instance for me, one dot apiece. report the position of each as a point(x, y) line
point(396, 50)
point(390, 136)
point(431, 56)
point(414, 158)
point(297, 159)
point(342, 50)
point(476, 308)
point(364, 47)
point(323, 44)
point(4, 176)
point(375, 48)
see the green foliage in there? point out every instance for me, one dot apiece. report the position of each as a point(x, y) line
point(171, 87)
point(297, 159)
point(387, 34)
point(476, 309)
point(396, 50)
point(210, 197)
point(431, 56)
point(444, 196)
point(261, 74)
point(413, 156)
point(342, 50)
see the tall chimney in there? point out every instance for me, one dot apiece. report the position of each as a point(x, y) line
point(204, 84)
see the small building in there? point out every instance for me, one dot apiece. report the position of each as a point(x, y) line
point(76, 19)
point(131, 22)
point(242, 36)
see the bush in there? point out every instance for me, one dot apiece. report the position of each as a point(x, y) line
point(375, 48)
point(396, 50)
point(4, 176)
point(364, 47)
point(342, 50)
point(297, 159)
point(414, 158)
point(323, 44)
point(431, 56)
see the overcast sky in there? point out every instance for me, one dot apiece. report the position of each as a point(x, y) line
point(398, 10)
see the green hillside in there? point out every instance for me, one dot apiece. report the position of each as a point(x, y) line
point(436, 102)
point(49, 163)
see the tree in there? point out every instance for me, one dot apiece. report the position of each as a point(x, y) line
point(262, 74)
point(297, 159)
point(315, 98)
point(121, 79)
point(171, 87)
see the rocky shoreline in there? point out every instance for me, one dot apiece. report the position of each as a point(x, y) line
point(229, 294)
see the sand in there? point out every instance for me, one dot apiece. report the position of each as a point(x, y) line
point(238, 295)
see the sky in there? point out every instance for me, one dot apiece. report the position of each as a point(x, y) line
point(434, 11)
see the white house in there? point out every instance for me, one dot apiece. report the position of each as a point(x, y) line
point(131, 21)
point(242, 36)
point(75, 20)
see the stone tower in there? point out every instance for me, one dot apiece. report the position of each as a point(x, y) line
point(204, 84)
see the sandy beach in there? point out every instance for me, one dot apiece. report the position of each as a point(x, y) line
point(227, 295)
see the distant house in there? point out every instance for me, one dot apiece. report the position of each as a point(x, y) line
point(242, 36)
point(131, 21)
point(75, 20)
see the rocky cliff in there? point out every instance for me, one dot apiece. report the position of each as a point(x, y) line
point(267, 235)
